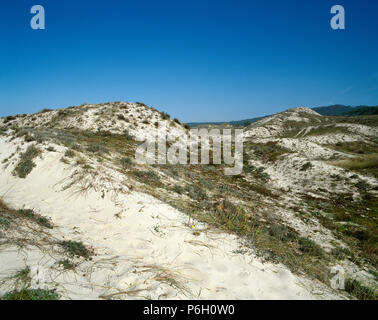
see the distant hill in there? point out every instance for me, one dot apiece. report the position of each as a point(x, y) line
point(234, 123)
point(363, 111)
point(341, 110)
point(333, 110)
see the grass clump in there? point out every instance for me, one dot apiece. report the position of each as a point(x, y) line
point(97, 148)
point(270, 151)
point(66, 264)
point(360, 291)
point(125, 162)
point(178, 189)
point(165, 116)
point(31, 294)
point(368, 163)
point(76, 248)
point(282, 233)
point(308, 246)
point(30, 214)
point(23, 280)
point(147, 176)
point(26, 163)
point(23, 275)
point(69, 153)
point(306, 166)
point(197, 193)
point(232, 218)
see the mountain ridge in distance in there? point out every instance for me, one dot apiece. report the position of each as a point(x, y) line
point(332, 110)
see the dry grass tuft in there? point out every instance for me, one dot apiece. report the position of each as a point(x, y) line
point(368, 161)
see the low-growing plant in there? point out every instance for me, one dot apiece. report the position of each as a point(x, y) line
point(306, 166)
point(76, 248)
point(308, 246)
point(127, 135)
point(148, 175)
point(26, 163)
point(30, 214)
point(31, 294)
point(178, 189)
point(165, 116)
point(69, 153)
point(282, 233)
point(196, 193)
point(97, 148)
point(66, 264)
point(231, 218)
point(357, 289)
point(125, 162)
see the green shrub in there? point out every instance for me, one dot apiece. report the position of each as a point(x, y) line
point(30, 214)
point(308, 246)
point(125, 162)
point(97, 148)
point(282, 233)
point(147, 175)
point(26, 164)
point(76, 248)
point(31, 294)
point(69, 153)
point(66, 264)
point(165, 116)
point(178, 189)
point(197, 193)
point(9, 118)
point(231, 218)
point(306, 166)
point(360, 291)
point(45, 110)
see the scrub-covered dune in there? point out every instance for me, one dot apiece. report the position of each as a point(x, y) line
point(81, 219)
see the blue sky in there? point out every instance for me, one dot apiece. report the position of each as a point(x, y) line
point(197, 60)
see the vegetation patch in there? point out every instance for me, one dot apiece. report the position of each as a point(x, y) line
point(270, 151)
point(31, 294)
point(147, 177)
point(367, 163)
point(66, 264)
point(26, 163)
point(31, 215)
point(76, 248)
point(306, 166)
point(360, 291)
point(125, 162)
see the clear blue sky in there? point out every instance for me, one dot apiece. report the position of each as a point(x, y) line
point(197, 60)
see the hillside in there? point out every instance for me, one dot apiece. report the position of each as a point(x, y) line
point(334, 110)
point(101, 226)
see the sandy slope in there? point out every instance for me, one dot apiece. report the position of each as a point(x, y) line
point(145, 248)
